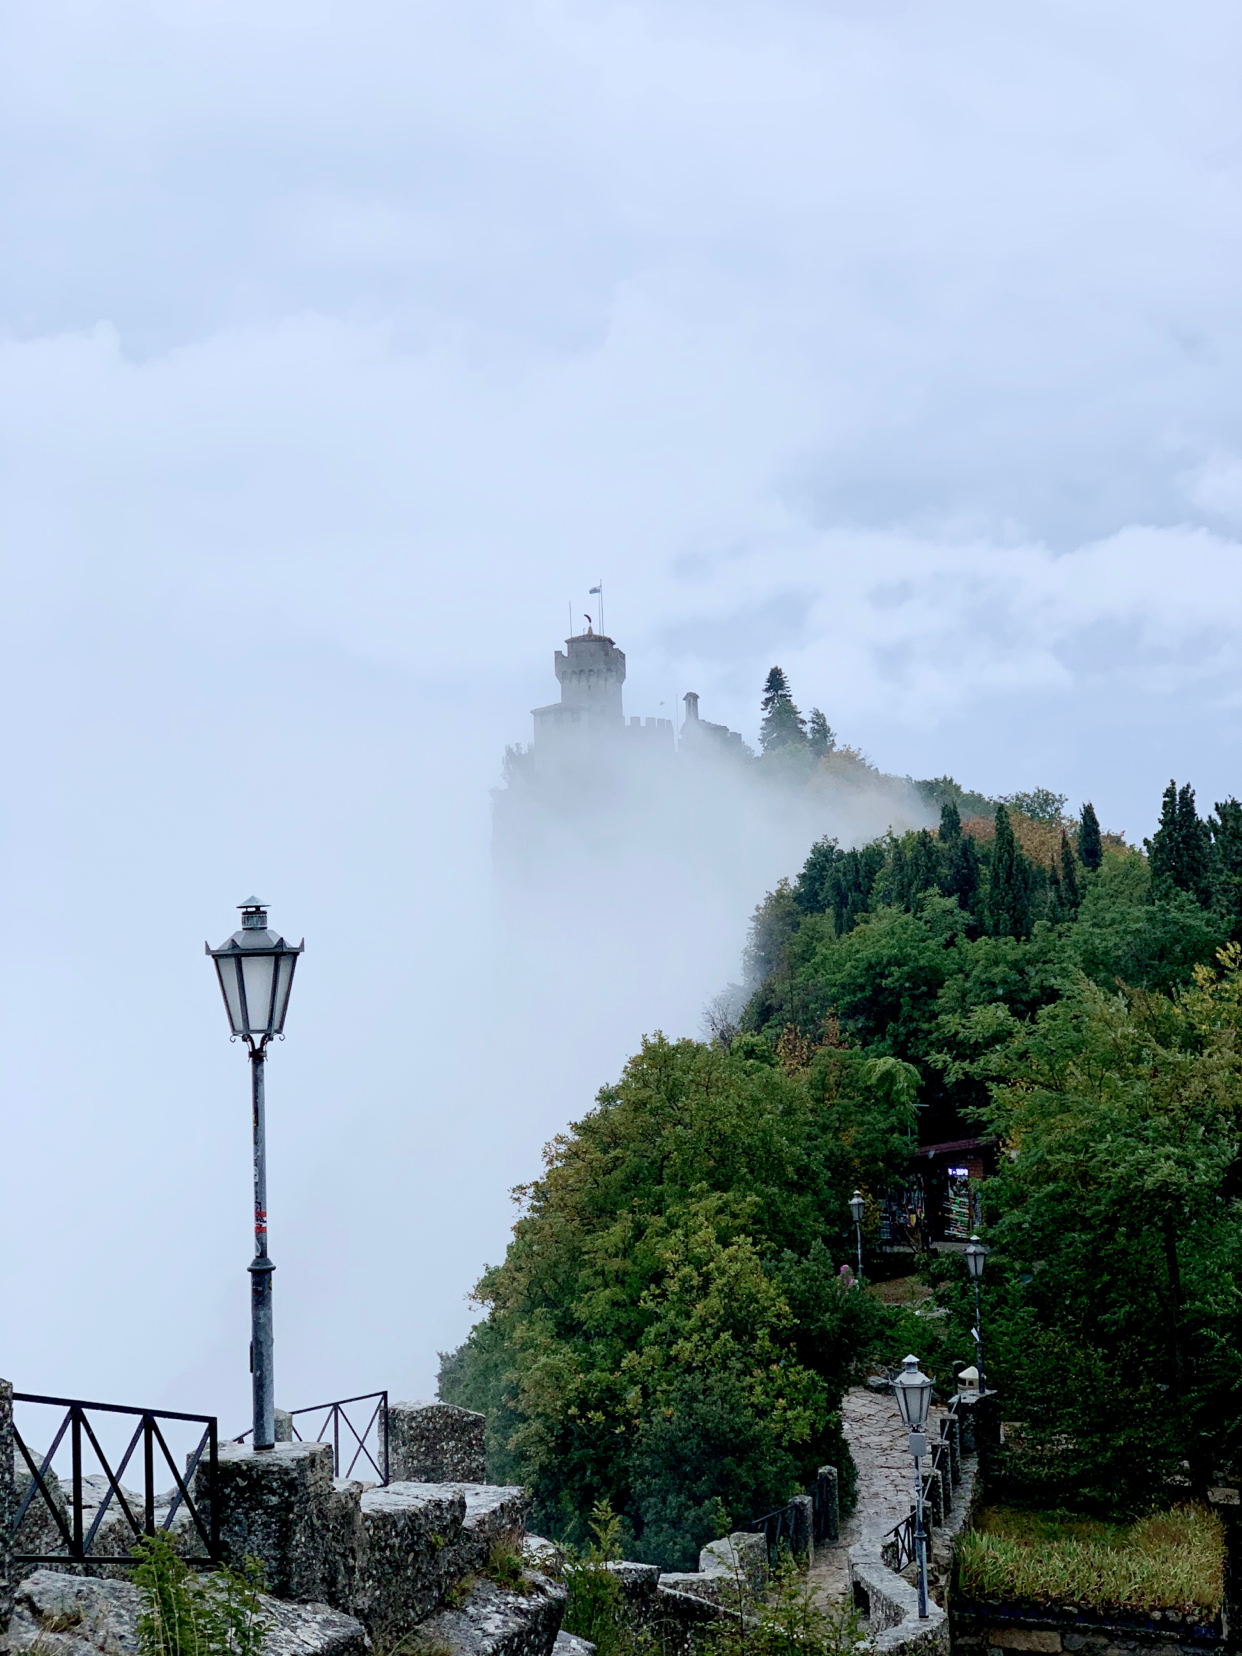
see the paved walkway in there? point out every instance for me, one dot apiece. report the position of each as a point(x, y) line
point(877, 1441)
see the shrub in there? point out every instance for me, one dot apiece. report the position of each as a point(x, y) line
point(185, 1615)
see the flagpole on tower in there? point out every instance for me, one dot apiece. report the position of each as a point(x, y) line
point(600, 590)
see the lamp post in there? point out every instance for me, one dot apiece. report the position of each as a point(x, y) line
point(857, 1208)
point(976, 1257)
point(914, 1391)
point(255, 968)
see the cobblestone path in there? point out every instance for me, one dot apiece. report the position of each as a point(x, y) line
point(877, 1441)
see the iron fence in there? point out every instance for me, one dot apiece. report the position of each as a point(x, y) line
point(79, 1519)
point(370, 1444)
point(776, 1528)
point(901, 1538)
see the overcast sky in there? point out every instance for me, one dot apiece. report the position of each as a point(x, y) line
point(345, 347)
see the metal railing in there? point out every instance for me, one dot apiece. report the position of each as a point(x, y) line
point(156, 1512)
point(776, 1527)
point(371, 1443)
point(900, 1539)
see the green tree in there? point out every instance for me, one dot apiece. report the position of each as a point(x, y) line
point(950, 823)
point(1226, 830)
point(821, 738)
point(666, 1331)
point(1009, 905)
point(783, 726)
point(1180, 851)
point(1071, 896)
point(1115, 1302)
point(1090, 844)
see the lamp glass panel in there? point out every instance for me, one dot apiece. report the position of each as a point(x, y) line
point(913, 1396)
point(258, 971)
point(284, 981)
point(226, 967)
point(975, 1256)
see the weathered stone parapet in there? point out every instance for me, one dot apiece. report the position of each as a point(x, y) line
point(8, 1507)
point(435, 1443)
point(742, 1556)
point(282, 1506)
point(988, 1628)
point(408, 1555)
point(891, 1605)
point(62, 1615)
point(493, 1622)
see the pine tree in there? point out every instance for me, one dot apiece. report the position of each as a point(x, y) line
point(820, 735)
point(1181, 848)
point(950, 823)
point(1070, 894)
point(1010, 883)
point(783, 726)
point(1090, 845)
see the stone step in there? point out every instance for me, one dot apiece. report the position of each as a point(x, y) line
point(492, 1621)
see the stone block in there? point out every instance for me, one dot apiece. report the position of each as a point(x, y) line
point(435, 1443)
point(1024, 1638)
point(409, 1554)
point(493, 1622)
point(284, 1426)
point(638, 1592)
point(569, 1644)
point(280, 1505)
point(62, 1615)
point(742, 1557)
point(494, 1512)
point(679, 1619)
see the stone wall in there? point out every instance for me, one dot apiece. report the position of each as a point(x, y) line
point(8, 1508)
point(996, 1630)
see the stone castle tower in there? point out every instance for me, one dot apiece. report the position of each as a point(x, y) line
point(591, 671)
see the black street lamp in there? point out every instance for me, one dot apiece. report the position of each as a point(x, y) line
point(914, 1390)
point(255, 968)
point(976, 1257)
point(858, 1207)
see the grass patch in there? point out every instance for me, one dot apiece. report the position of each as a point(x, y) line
point(1172, 1560)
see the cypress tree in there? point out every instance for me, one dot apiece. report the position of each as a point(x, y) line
point(1090, 845)
point(950, 823)
point(925, 865)
point(1056, 894)
point(1226, 830)
point(1181, 849)
point(1010, 883)
point(783, 726)
point(1069, 876)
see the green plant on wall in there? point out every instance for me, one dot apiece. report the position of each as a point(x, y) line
point(184, 1614)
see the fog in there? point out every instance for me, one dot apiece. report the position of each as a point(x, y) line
point(343, 347)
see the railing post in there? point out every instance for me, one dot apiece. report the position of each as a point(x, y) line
point(213, 1461)
point(75, 1441)
point(148, 1474)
